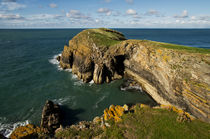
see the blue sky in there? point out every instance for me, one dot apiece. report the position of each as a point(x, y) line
point(104, 13)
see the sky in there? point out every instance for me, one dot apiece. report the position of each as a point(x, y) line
point(105, 13)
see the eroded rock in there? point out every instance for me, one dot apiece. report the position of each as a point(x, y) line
point(170, 74)
point(25, 132)
point(51, 117)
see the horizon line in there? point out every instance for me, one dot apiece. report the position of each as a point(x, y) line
point(104, 27)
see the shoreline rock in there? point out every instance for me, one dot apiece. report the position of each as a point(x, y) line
point(170, 74)
point(51, 117)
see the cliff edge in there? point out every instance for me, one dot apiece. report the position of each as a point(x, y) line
point(171, 74)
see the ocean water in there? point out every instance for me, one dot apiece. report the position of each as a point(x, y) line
point(29, 75)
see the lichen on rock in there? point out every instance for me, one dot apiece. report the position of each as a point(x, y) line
point(28, 131)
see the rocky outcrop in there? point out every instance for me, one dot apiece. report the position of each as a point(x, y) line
point(170, 74)
point(51, 117)
point(25, 132)
point(88, 56)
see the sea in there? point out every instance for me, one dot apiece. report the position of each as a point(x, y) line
point(30, 75)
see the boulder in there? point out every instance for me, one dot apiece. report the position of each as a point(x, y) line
point(51, 117)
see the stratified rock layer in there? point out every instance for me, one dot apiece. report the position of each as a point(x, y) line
point(171, 74)
point(51, 117)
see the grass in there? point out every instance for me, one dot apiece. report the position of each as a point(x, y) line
point(145, 123)
point(156, 124)
point(102, 40)
point(176, 47)
point(105, 38)
point(84, 134)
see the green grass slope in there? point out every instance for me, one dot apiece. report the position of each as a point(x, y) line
point(144, 123)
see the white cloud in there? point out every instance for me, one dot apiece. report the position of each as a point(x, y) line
point(44, 17)
point(53, 5)
point(131, 12)
point(75, 14)
point(105, 10)
point(10, 6)
point(183, 15)
point(129, 1)
point(152, 12)
point(10, 17)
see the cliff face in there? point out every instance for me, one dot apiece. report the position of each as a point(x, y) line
point(88, 55)
point(171, 74)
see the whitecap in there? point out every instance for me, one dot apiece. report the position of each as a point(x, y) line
point(79, 83)
point(54, 61)
point(61, 101)
point(7, 128)
point(138, 88)
point(68, 70)
point(74, 76)
point(91, 83)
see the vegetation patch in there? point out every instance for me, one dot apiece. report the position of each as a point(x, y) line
point(144, 122)
point(176, 47)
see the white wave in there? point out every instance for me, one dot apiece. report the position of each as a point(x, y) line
point(61, 101)
point(100, 100)
point(131, 87)
point(68, 70)
point(54, 59)
point(79, 83)
point(91, 83)
point(74, 76)
point(7, 129)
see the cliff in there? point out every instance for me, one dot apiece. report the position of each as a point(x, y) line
point(170, 74)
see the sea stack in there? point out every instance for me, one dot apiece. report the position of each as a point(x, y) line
point(51, 117)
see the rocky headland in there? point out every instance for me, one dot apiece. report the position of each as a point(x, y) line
point(176, 77)
point(171, 74)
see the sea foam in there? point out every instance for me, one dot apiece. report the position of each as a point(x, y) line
point(7, 128)
point(54, 61)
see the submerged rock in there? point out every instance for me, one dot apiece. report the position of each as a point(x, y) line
point(51, 117)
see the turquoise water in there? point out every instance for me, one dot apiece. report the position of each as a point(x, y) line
point(29, 75)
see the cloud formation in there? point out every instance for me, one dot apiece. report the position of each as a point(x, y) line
point(10, 6)
point(183, 15)
point(76, 14)
point(106, 11)
point(131, 12)
point(53, 5)
point(10, 17)
point(152, 13)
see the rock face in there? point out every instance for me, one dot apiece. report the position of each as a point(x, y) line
point(25, 132)
point(170, 74)
point(88, 55)
point(177, 77)
point(51, 117)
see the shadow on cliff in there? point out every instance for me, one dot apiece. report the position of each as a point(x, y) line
point(69, 116)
